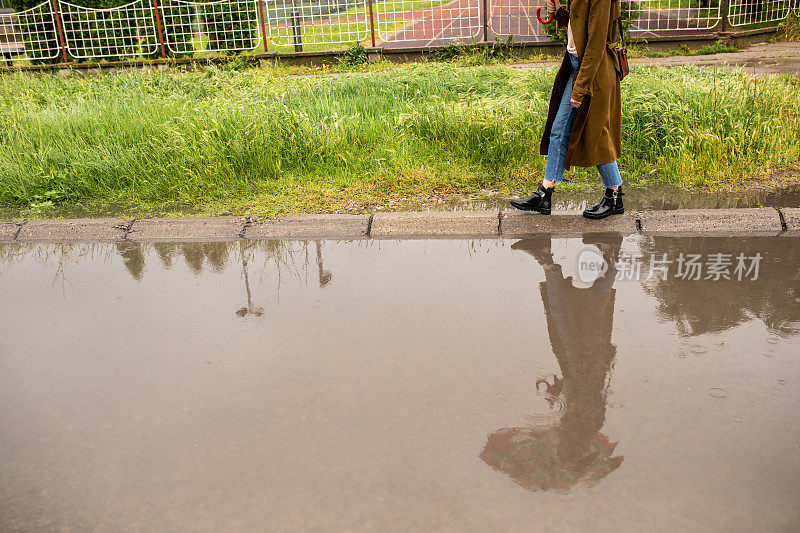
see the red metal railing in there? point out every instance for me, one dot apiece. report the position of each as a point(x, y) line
point(371, 23)
point(61, 38)
point(158, 26)
point(263, 24)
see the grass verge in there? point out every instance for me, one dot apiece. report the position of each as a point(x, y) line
point(717, 48)
point(248, 141)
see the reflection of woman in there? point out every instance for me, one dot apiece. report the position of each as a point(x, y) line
point(584, 120)
point(579, 323)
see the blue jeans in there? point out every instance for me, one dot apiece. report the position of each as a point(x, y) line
point(559, 138)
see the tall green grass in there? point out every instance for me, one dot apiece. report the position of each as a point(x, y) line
point(242, 139)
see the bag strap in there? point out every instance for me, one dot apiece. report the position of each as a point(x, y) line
point(621, 32)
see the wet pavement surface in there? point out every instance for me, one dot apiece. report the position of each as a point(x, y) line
point(669, 198)
point(651, 196)
point(401, 385)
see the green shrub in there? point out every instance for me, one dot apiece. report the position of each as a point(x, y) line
point(475, 54)
point(789, 30)
point(717, 48)
point(355, 55)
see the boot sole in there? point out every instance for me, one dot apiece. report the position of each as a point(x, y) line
point(596, 217)
point(541, 211)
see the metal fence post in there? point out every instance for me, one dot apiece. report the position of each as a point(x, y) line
point(371, 22)
point(263, 24)
point(61, 38)
point(724, 12)
point(158, 26)
point(297, 31)
point(485, 20)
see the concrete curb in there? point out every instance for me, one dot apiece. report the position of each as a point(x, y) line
point(759, 220)
point(186, 229)
point(8, 231)
point(520, 224)
point(790, 217)
point(405, 225)
point(436, 224)
point(308, 227)
point(85, 229)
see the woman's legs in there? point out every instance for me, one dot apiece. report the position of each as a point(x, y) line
point(559, 141)
point(559, 133)
point(610, 174)
point(540, 201)
point(611, 204)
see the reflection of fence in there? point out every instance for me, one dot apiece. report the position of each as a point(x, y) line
point(145, 27)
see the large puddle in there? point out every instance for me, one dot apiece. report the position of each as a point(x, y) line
point(402, 385)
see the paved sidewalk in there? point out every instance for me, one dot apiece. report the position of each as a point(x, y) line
point(429, 224)
point(759, 60)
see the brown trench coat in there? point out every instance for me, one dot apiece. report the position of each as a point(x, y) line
point(596, 136)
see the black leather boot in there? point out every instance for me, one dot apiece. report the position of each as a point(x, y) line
point(538, 201)
point(611, 204)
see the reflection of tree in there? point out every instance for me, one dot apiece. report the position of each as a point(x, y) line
point(199, 254)
point(196, 255)
point(281, 257)
point(699, 307)
point(250, 308)
point(579, 324)
point(62, 254)
point(324, 275)
point(132, 257)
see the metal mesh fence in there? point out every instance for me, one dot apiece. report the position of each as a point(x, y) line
point(428, 22)
point(237, 25)
point(746, 12)
point(317, 24)
point(671, 17)
point(30, 35)
point(128, 30)
point(222, 26)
